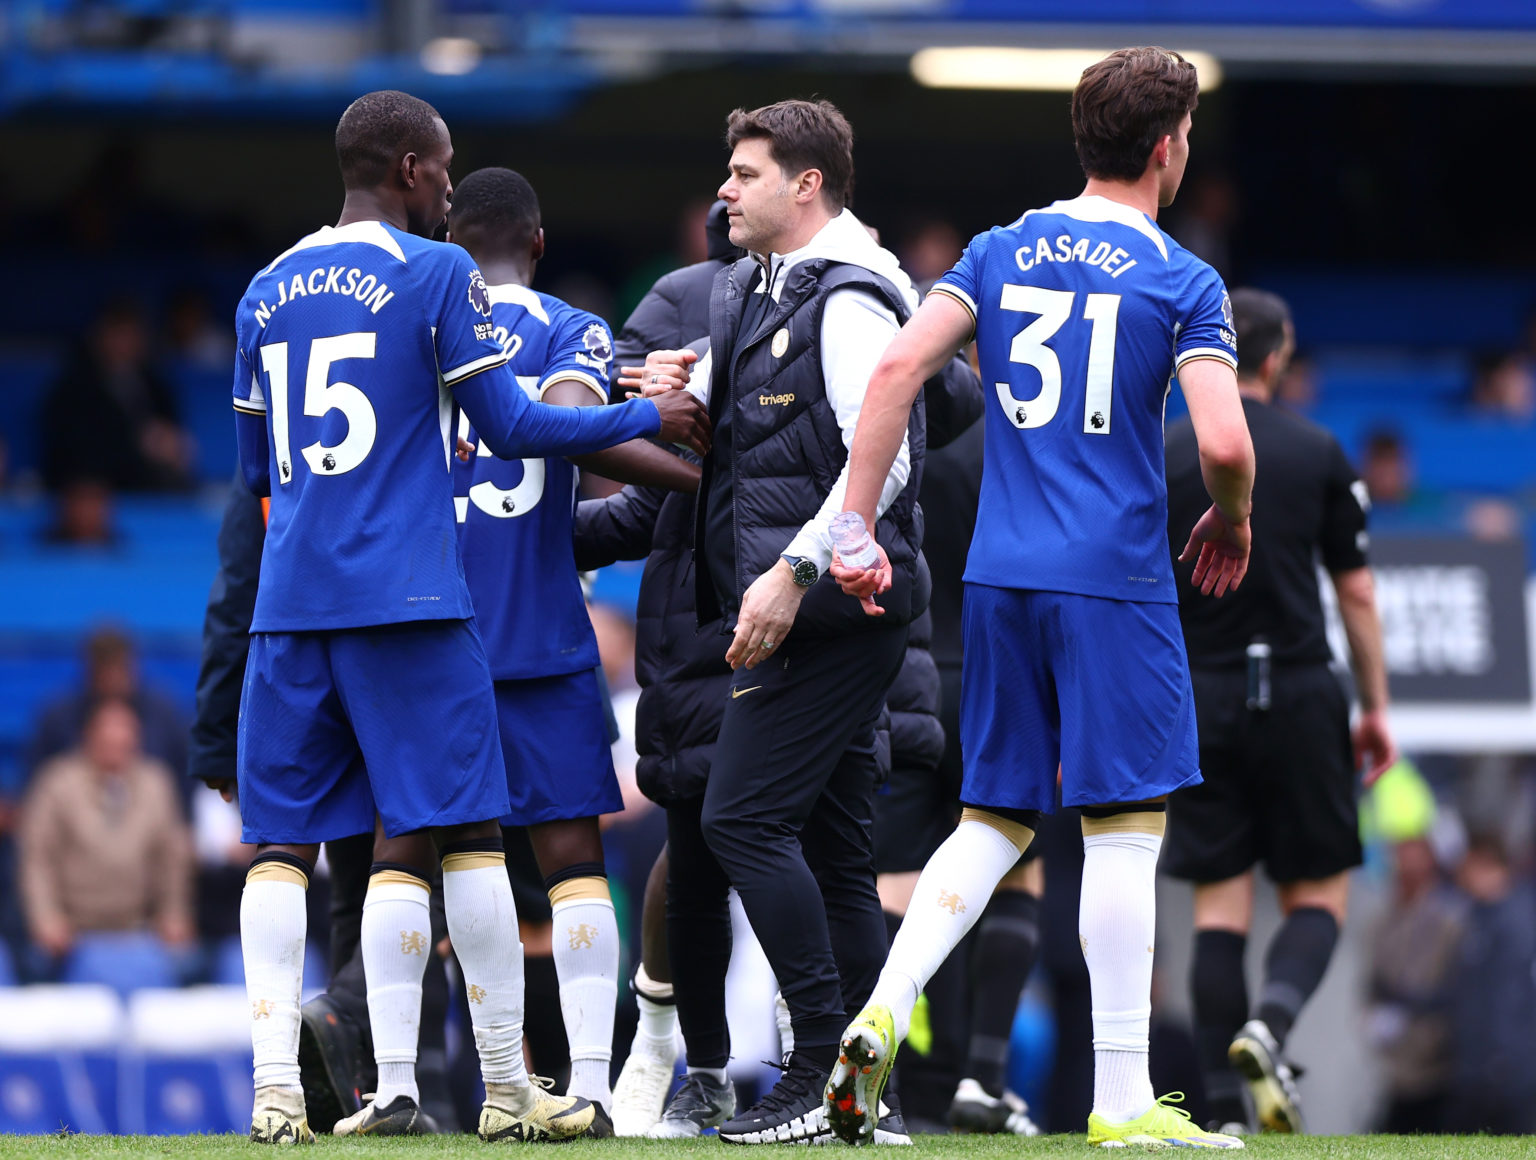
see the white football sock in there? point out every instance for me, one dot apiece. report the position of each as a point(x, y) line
point(272, 928)
point(657, 1028)
point(950, 895)
point(658, 1024)
point(482, 922)
point(1117, 923)
point(718, 1074)
point(586, 940)
point(396, 940)
point(786, 1025)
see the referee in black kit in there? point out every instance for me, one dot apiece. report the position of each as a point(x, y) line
point(1275, 746)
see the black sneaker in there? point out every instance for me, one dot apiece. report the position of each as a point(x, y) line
point(791, 1113)
point(974, 1109)
point(699, 1103)
point(330, 1047)
point(401, 1117)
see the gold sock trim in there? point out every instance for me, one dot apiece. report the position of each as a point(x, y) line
point(474, 860)
point(277, 872)
point(579, 890)
point(398, 878)
point(1016, 832)
point(1132, 822)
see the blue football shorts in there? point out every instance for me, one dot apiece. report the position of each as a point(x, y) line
point(398, 719)
point(1100, 687)
point(554, 737)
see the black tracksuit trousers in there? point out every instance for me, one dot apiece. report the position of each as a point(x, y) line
point(787, 815)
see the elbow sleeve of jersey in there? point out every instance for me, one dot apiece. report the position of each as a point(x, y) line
point(251, 442)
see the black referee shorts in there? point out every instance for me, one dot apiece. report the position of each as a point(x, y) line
point(1279, 784)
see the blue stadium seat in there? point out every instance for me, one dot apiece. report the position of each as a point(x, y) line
point(52, 1039)
point(125, 961)
point(1475, 455)
point(204, 400)
point(44, 1092)
point(66, 591)
point(179, 1095)
point(24, 376)
point(1401, 377)
point(186, 1063)
point(1434, 309)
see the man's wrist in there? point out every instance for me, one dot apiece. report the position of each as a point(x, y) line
point(801, 571)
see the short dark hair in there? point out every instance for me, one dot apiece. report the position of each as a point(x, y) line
point(108, 645)
point(377, 130)
point(1124, 104)
point(1260, 319)
point(802, 135)
point(498, 204)
point(1383, 441)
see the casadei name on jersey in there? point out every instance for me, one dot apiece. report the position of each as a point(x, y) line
point(347, 281)
point(1110, 259)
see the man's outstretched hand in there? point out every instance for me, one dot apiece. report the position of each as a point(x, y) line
point(683, 420)
point(1220, 550)
point(664, 370)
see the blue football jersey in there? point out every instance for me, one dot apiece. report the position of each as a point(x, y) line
point(1084, 311)
point(349, 343)
point(516, 518)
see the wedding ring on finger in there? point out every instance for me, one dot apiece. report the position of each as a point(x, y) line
point(769, 644)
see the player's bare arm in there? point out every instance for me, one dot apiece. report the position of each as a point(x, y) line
point(941, 326)
point(1221, 539)
point(1374, 747)
point(639, 461)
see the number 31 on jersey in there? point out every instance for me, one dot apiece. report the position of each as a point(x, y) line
point(1030, 346)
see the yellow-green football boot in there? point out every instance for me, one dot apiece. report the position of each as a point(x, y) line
point(1160, 1126)
point(865, 1055)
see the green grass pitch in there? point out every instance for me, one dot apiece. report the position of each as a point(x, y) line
point(964, 1147)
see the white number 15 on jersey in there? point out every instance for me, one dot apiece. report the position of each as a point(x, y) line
point(321, 396)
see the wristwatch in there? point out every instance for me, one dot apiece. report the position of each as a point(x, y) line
point(804, 570)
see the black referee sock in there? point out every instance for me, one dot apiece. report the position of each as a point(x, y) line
point(1297, 960)
point(1219, 991)
point(1007, 939)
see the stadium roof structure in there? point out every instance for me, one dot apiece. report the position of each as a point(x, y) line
point(519, 60)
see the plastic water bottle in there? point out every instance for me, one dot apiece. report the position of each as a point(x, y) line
point(853, 542)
